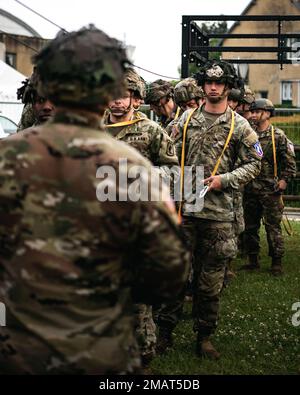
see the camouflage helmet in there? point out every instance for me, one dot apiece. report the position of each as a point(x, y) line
point(186, 90)
point(157, 90)
point(249, 96)
point(263, 104)
point(135, 83)
point(28, 91)
point(235, 95)
point(218, 70)
point(84, 68)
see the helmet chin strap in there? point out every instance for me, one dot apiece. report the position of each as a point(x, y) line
point(129, 108)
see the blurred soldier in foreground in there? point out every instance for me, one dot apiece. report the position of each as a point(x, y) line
point(218, 139)
point(263, 196)
point(73, 259)
point(124, 122)
point(37, 109)
point(160, 96)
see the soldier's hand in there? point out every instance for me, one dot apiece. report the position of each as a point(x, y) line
point(213, 182)
point(282, 185)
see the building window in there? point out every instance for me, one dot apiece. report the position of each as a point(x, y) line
point(11, 59)
point(286, 92)
point(263, 94)
point(294, 43)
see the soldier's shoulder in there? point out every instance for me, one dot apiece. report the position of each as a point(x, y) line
point(148, 123)
point(241, 122)
point(195, 117)
point(244, 130)
point(140, 115)
point(279, 132)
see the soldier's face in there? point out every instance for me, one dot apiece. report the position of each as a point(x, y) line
point(188, 104)
point(120, 106)
point(164, 107)
point(214, 91)
point(43, 109)
point(259, 117)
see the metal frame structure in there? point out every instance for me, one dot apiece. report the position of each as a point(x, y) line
point(196, 44)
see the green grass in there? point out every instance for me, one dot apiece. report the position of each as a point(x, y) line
point(292, 130)
point(255, 334)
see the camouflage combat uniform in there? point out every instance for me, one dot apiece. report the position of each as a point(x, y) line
point(72, 265)
point(154, 144)
point(27, 117)
point(210, 231)
point(261, 200)
point(149, 139)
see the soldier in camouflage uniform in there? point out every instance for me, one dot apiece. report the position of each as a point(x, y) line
point(187, 94)
point(234, 98)
point(263, 196)
point(238, 100)
point(209, 232)
point(126, 124)
point(72, 264)
point(160, 96)
point(244, 105)
point(243, 109)
point(153, 143)
point(37, 109)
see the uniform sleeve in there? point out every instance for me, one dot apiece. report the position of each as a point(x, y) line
point(249, 156)
point(162, 148)
point(287, 159)
point(162, 269)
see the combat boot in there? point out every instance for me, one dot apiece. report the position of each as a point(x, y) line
point(253, 263)
point(205, 349)
point(276, 268)
point(164, 340)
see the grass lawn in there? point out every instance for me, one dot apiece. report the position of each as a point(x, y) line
point(255, 333)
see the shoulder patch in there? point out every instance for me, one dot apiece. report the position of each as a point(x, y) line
point(258, 149)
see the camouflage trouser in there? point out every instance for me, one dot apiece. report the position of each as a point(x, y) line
point(168, 315)
point(145, 329)
point(213, 244)
point(270, 209)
